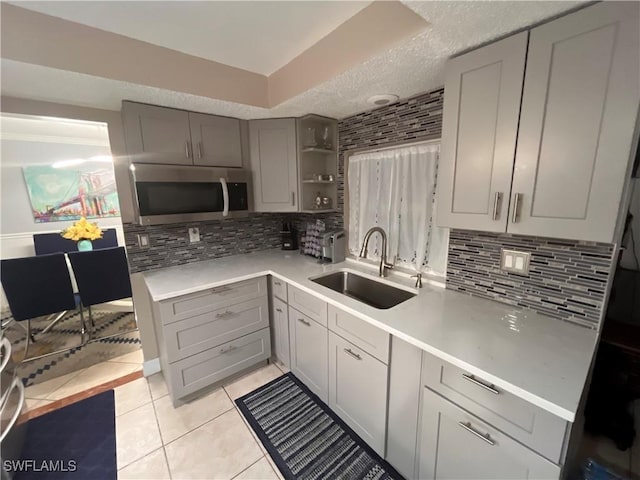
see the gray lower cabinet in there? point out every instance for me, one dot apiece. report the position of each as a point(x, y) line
point(358, 391)
point(457, 445)
point(309, 347)
point(207, 336)
point(280, 324)
point(403, 426)
point(206, 368)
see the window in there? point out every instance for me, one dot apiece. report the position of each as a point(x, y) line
point(395, 189)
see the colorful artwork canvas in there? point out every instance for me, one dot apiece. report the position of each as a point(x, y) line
point(62, 194)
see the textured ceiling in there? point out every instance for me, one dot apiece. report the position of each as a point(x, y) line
point(415, 66)
point(257, 36)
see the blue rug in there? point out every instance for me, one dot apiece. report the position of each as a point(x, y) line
point(305, 438)
point(75, 442)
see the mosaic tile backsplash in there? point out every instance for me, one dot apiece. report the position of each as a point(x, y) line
point(567, 279)
point(169, 244)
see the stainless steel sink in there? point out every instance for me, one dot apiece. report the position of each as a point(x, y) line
point(373, 293)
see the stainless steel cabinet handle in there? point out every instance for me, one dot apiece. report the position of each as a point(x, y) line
point(477, 382)
point(224, 314)
point(302, 320)
point(516, 204)
point(228, 349)
point(484, 437)
point(496, 203)
point(279, 310)
point(186, 149)
point(293, 199)
point(277, 283)
point(354, 355)
point(200, 154)
point(220, 289)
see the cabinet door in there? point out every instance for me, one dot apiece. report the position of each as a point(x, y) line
point(281, 331)
point(216, 140)
point(579, 109)
point(358, 391)
point(457, 445)
point(274, 164)
point(480, 124)
point(309, 343)
point(156, 134)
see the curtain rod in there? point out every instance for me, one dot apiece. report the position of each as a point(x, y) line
point(391, 146)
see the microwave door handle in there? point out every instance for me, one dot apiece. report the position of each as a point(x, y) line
point(225, 197)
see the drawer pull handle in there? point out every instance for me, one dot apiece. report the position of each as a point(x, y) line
point(224, 314)
point(279, 310)
point(485, 437)
point(220, 290)
point(277, 283)
point(354, 355)
point(477, 382)
point(302, 320)
point(227, 350)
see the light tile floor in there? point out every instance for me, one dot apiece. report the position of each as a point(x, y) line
point(205, 438)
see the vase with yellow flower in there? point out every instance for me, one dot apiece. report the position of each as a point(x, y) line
point(83, 232)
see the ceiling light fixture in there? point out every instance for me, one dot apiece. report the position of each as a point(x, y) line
point(68, 163)
point(380, 100)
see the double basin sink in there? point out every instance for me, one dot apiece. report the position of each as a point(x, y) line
point(374, 293)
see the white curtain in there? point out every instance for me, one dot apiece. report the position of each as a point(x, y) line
point(395, 189)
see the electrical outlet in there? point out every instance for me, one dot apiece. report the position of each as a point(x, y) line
point(194, 234)
point(513, 261)
point(143, 240)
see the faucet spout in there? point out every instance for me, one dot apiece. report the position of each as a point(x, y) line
point(384, 265)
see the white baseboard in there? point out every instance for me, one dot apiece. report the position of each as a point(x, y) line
point(149, 367)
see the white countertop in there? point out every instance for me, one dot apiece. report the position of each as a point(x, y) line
point(540, 359)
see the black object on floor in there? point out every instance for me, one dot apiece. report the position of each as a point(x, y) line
point(305, 438)
point(76, 442)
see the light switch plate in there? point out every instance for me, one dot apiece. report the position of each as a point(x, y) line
point(143, 240)
point(194, 234)
point(513, 261)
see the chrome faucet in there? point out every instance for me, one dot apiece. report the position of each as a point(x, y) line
point(384, 265)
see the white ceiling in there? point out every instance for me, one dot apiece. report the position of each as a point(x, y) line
point(257, 36)
point(414, 66)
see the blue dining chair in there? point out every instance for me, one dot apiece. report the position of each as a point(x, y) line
point(101, 276)
point(37, 286)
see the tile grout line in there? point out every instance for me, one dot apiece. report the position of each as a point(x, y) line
point(155, 414)
point(241, 472)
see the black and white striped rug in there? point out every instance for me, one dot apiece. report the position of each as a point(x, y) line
point(305, 438)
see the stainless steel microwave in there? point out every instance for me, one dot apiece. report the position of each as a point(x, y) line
point(176, 194)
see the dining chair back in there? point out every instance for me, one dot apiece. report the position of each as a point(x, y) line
point(45, 243)
point(101, 275)
point(36, 286)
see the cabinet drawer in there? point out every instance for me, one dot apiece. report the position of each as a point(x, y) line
point(372, 339)
point(537, 428)
point(358, 391)
point(456, 444)
point(197, 334)
point(279, 288)
point(198, 303)
point(308, 304)
point(199, 371)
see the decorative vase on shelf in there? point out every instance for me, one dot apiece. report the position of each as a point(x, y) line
point(85, 245)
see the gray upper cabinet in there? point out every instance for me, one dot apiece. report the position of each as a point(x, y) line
point(479, 131)
point(577, 121)
point(216, 140)
point(579, 109)
point(165, 135)
point(274, 163)
point(156, 135)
